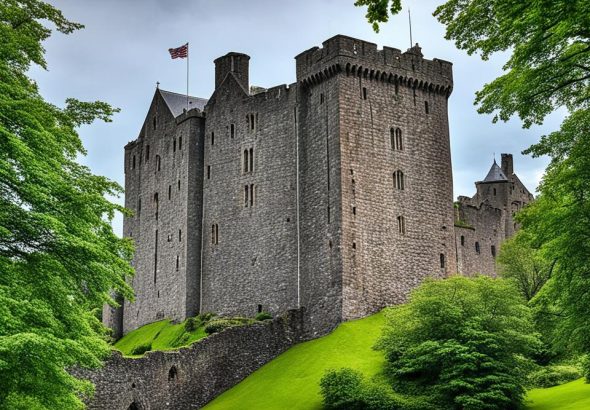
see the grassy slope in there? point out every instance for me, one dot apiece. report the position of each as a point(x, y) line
point(294, 376)
point(292, 379)
point(570, 396)
point(162, 335)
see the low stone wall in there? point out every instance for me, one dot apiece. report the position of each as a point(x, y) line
point(191, 377)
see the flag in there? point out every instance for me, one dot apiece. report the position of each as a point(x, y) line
point(180, 52)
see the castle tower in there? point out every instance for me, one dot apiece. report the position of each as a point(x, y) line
point(376, 182)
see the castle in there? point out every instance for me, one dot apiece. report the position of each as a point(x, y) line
point(333, 193)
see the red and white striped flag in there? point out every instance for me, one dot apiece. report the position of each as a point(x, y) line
point(180, 52)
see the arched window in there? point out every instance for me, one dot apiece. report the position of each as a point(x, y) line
point(398, 179)
point(251, 159)
point(134, 406)
point(442, 260)
point(246, 195)
point(246, 161)
point(398, 140)
point(401, 225)
point(462, 240)
point(172, 374)
point(477, 250)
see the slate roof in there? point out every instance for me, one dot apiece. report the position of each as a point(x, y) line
point(495, 174)
point(177, 102)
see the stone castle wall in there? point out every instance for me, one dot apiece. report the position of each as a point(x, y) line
point(191, 377)
point(167, 175)
point(250, 201)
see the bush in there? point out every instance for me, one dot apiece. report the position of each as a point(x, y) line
point(205, 317)
point(263, 316)
point(463, 342)
point(553, 376)
point(346, 389)
point(141, 349)
point(192, 324)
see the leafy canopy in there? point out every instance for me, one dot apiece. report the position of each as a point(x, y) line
point(461, 341)
point(59, 257)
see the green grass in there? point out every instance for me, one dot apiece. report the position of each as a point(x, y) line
point(570, 396)
point(162, 335)
point(294, 376)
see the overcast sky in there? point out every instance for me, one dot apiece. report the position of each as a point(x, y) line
point(122, 53)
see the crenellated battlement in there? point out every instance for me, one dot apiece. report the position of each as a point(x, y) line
point(361, 58)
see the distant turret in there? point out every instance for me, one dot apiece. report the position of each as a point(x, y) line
point(236, 63)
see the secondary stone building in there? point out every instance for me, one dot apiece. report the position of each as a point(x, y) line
point(333, 193)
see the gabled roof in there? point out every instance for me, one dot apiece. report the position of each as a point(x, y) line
point(177, 102)
point(495, 174)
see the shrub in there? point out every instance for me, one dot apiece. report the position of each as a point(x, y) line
point(341, 389)
point(263, 316)
point(461, 341)
point(205, 317)
point(141, 349)
point(553, 376)
point(192, 324)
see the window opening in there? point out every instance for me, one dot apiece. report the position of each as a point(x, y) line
point(401, 225)
point(477, 250)
point(172, 373)
point(442, 261)
point(462, 240)
point(156, 204)
point(364, 93)
point(398, 139)
point(147, 153)
point(208, 171)
point(426, 107)
point(398, 180)
point(232, 130)
point(156, 257)
point(180, 143)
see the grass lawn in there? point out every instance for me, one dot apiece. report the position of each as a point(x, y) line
point(162, 335)
point(292, 379)
point(570, 396)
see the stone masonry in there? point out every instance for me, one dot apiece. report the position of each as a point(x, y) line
point(333, 193)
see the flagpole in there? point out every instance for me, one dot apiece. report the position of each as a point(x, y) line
point(187, 58)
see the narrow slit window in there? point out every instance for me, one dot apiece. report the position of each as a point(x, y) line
point(169, 192)
point(246, 195)
point(180, 143)
point(493, 251)
point(208, 171)
point(477, 250)
point(321, 98)
point(246, 161)
point(401, 225)
point(180, 235)
point(155, 122)
point(212, 138)
point(156, 204)
point(398, 180)
point(398, 140)
point(251, 195)
point(179, 184)
point(177, 262)
point(133, 163)
point(174, 145)
point(139, 207)
point(232, 130)
point(251, 159)
point(158, 163)
point(214, 234)
point(147, 153)
point(364, 93)
point(392, 138)
point(442, 261)
point(426, 107)
point(462, 240)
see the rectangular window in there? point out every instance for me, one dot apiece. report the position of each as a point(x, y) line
point(147, 153)
point(251, 159)
point(246, 195)
point(180, 235)
point(133, 164)
point(232, 130)
point(321, 98)
point(426, 107)
point(177, 262)
point(364, 93)
point(169, 192)
point(156, 257)
point(179, 143)
point(212, 138)
point(251, 194)
point(208, 171)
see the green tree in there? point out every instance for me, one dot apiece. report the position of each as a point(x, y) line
point(549, 69)
point(463, 342)
point(527, 266)
point(59, 257)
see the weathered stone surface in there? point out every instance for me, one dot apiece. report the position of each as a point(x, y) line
point(191, 377)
